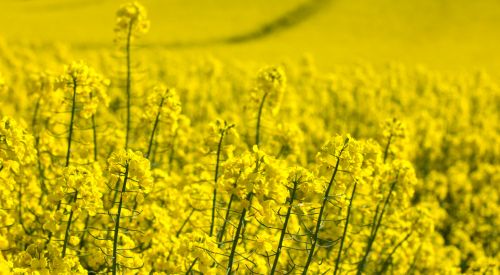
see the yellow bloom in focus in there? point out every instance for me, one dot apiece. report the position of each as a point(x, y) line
point(135, 164)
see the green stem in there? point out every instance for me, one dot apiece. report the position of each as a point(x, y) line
point(226, 220)
point(283, 230)
point(189, 271)
point(68, 227)
point(155, 125)
point(322, 209)
point(114, 267)
point(128, 84)
point(229, 269)
point(386, 151)
point(178, 233)
point(371, 239)
point(337, 262)
point(35, 114)
point(82, 241)
point(71, 124)
point(385, 264)
point(94, 134)
point(216, 176)
point(259, 118)
point(68, 157)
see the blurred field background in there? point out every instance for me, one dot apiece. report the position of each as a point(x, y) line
point(439, 34)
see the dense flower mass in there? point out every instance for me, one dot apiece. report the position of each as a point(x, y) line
point(241, 170)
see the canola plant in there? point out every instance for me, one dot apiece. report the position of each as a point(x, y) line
point(234, 168)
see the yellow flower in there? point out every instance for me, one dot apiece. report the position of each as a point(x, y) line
point(131, 19)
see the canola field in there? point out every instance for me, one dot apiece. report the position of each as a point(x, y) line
point(151, 156)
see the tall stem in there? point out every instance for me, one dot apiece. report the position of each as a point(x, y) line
point(128, 84)
point(386, 151)
point(226, 220)
point(68, 157)
point(371, 239)
point(94, 135)
point(155, 125)
point(337, 262)
point(216, 176)
point(117, 223)
point(283, 230)
point(259, 118)
point(68, 227)
point(387, 261)
point(237, 237)
point(322, 209)
point(71, 124)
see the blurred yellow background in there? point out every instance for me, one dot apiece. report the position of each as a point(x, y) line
point(440, 34)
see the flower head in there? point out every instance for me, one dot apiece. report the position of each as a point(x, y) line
point(131, 21)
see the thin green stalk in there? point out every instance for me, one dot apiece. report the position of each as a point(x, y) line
point(114, 267)
point(385, 264)
point(68, 157)
point(386, 151)
point(41, 173)
point(172, 152)
point(229, 269)
point(371, 239)
point(178, 233)
point(374, 221)
point(259, 118)
point(411, 269)
point(285, 225)
point(226, 220)
point(216, 176)
point(35, 114)
point(155, 125)
point(82, 241)
point(337, 262)
point(20, 209)
point(322, 209)
point(68, 226)
point(128, 84)
point(71, 124)
point(189, 271)
point(94, 134)
point(87, 219)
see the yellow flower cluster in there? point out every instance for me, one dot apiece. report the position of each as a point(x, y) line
point(131, 21)
point(232, 169)
point(89, 86)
